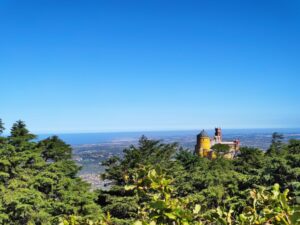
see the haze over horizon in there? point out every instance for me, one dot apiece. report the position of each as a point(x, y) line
point(44, 134)
point(101, 66)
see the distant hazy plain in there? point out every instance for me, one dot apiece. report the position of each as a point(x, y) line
point(250, 137)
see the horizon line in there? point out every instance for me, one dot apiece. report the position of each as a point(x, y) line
point(159, 130)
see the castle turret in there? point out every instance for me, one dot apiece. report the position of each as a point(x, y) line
point(218, 135)
point(203, 145)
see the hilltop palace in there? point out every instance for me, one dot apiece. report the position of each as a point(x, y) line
point(204, 145)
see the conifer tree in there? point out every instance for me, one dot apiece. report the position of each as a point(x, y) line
point(276, 144)
point(55, 149)
point(34, 191)
point(1, 127)
point(19, 133)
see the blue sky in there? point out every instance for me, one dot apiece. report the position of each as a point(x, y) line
point(81, 66)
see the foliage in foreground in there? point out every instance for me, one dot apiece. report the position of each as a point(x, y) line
point(264, 206)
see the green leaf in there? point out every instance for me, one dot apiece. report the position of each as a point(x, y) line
point(171, 216)
point(129, 187)
point(197, 209)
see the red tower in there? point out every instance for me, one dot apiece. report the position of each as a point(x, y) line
point(218, 135)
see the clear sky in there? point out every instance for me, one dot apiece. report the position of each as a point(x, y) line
point(80, 66)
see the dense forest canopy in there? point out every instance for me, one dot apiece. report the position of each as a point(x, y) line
point(38, 182)
point(154, 183)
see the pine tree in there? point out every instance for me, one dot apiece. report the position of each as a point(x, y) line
point(276, 144)
point(35, 191)
point(1, 127)
point(19, 129)
point(55, 149)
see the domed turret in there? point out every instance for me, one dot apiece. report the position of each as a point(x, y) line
point(203, 144)
point(203, 134)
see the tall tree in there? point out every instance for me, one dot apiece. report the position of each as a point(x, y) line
point(276, 145)
point(55, 149)
point(123, 204)
point(19, 130)
point(34, 191)
point(1, 127)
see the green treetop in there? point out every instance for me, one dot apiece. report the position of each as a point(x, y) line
point(53, 148)
point(2, 128)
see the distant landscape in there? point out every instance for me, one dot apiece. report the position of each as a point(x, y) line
point(90, 149)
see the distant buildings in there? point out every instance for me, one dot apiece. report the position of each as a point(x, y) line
point(205, 145)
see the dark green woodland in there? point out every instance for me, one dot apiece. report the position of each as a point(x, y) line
point(154, 183)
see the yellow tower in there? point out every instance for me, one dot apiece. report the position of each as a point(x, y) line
point(203, 144)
